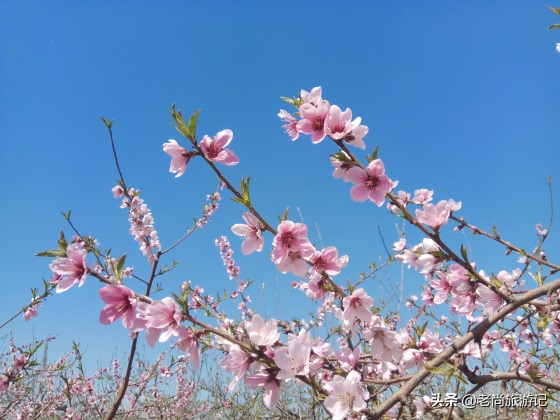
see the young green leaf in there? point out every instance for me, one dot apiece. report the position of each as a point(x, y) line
point(555, 10)
point(464, 253)
point(52, 253)
point(119, 266)
point(192, 125)
point(62, 243)
point(107, 122)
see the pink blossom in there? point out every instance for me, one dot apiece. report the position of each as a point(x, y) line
point(254, 240)
point(402, 198)
point(356, 134)
point(292, 262)
point(337, 123)
point(491, 302)
point(260, 333)
point(412, 358)
point(441, 284)
point(327, 261)
point(321, 353)
point(31, 311)
point(188, 342)
point(163, 317)
point(348, 358)
point(4, 383)
point(399, 245)
point(542, 232)
point(20, 361)
point(371, 183)
point(266, 378)
point(293, 360)
point(384, 343)
point(427, 296)
point(291, 237)
point(117, 191)
point(430, 342)
point(180, 157)
point(357, 305)
point(472, 349)
point(509, 280)
point(423, 406)
point(291, 127)
point(214, 148)
point(74, 267)
point(434, 215)
point(422, 196)
point(313, 120)
point(313, 97)
point(121, 302)
point(347, 395)
point(315, 287)
point(236, 363)
point(341, 167)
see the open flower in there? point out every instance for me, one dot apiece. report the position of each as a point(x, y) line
point(346, 395)
point(179, 157)
point(313, 120)
point(163, 318)
point(254, 241)
point(370, 183)
point(260, 333)
point(188, 342)
point(121, 302)
point(74, 268)
point(214, 149)
point(291, 127)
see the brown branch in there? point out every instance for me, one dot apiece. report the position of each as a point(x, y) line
point(476, 333)
point(507, 244)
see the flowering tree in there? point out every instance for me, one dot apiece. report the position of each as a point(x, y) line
point(357, 360)
point(371, 363)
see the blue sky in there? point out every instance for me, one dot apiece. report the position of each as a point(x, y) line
point(462, 98)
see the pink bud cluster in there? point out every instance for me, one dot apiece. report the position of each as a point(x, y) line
point(226, 253)
point(141, 221)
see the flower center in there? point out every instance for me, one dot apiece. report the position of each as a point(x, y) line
point(371, 182)
point(319, 123)
point(213, 151)
point(348, 399)
point(287, 239)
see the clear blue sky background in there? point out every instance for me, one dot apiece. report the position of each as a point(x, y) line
point(461, 96)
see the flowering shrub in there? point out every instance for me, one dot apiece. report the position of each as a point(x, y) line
point(371, 363)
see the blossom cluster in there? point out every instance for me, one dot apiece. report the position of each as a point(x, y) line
point(367, 347)
point(141, 221)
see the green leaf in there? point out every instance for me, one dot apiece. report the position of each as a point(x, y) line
point(464, 253)
point(555, 10)
point(495, 231)
point(238, 200)
point(292, 101)
point(62, 243)
point(437, 370)
point(341, 157)
point(181, 126)
point(555, 26)
point(107, 122)
point(119, 267)
point(53, 253)
point(284, 216)
point(374, 154)
point(192, 125)
point(245, 189)
point(67, 215)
